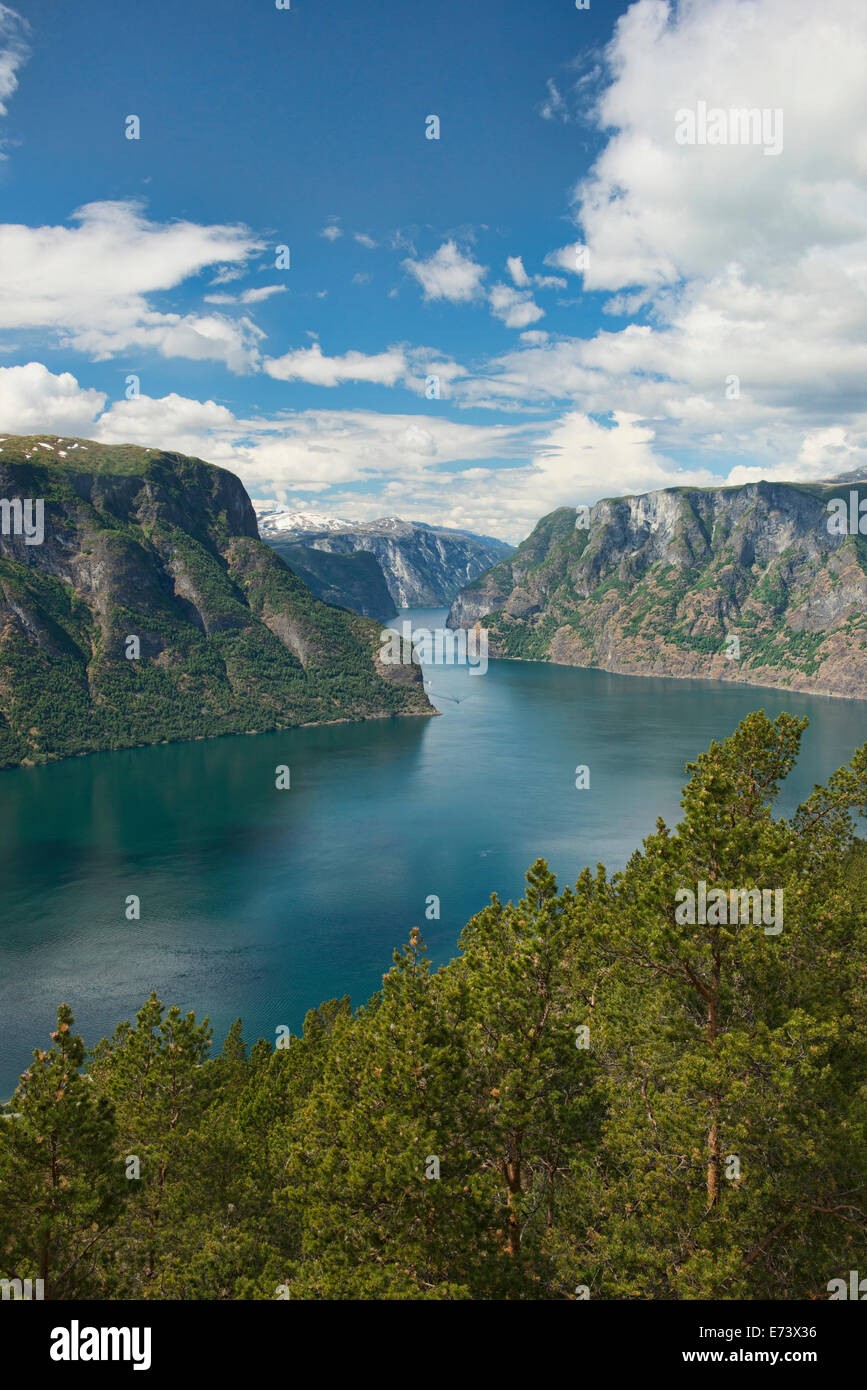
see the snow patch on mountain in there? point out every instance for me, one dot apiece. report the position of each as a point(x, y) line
point(274, 520)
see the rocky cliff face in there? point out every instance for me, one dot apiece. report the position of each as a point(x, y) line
point(743, 584)
point(150, 610)
point(424, 566)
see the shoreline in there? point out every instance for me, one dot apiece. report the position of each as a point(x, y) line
point(206, 738)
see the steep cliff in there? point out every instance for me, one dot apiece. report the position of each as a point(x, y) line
point(424, 566)
point(742, 583)
point(150, 610)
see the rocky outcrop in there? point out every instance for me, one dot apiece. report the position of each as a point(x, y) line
point(746, 583)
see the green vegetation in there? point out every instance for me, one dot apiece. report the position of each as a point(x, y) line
point(165, 549)
point(799, 651)
point(353, 581)
point(707, 1142)
point(665, 583)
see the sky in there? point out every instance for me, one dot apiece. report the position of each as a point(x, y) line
point(558, 299)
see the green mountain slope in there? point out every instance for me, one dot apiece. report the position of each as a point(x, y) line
point(146, 544)
point(353, 581)
point(659, 584)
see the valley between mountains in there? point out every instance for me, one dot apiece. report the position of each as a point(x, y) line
point(238, 634)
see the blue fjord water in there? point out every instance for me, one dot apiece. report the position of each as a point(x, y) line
point(261, 903)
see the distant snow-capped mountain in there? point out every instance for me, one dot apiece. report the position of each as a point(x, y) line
point(276, 520)
point(423, 566)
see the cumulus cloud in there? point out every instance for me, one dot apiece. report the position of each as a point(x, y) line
point(568, 257)
point(312, 450)
point(746, 276)
point(496, 478)
point(448, 274)
point(34, 400)
point(332, 230)
point(516, 308)
point(515, 267)
point(172, 422)
point(655, 211)
point(364, 240)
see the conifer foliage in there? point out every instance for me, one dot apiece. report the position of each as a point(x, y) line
point(600, 1096)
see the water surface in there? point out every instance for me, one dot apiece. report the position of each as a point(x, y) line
point(261, 903)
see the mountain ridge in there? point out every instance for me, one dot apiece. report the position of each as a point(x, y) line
point(658, 583)
point(423, 566)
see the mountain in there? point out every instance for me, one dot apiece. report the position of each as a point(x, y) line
point(147, 545)
point(353, 581)
point(658, 584)
point(424, 566)
point(273, 519)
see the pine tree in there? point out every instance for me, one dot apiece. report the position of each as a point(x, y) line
point(526, 1100)
point(62, 1184)
point(734, 1057)
point(154, 1075)
point(376, 1173)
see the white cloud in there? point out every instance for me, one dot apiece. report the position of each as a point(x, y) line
point(92, 283)
point(366, 240)
point(253, 296)
point(732, 264)
point(424, 362)
point(35, 401)
point(515, 267)
point(311, 365)
point(14, 52)
point(423, 466)
point(200, 337)
point(173, 422)
point(227, 273)
point(331, 231)
point(566, 257)
point(752, 270)
point(448, 274)
point(655, 211)
point(257, 295)
point(516, 308)
point(554, 107)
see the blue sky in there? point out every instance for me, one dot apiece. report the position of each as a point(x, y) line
point(559, 381)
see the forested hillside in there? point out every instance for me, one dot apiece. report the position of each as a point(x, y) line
point(594, 1098)
point(149, 610)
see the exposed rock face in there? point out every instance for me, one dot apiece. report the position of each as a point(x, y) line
point(424, 566)
point(163, 549)
point(662, 584)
